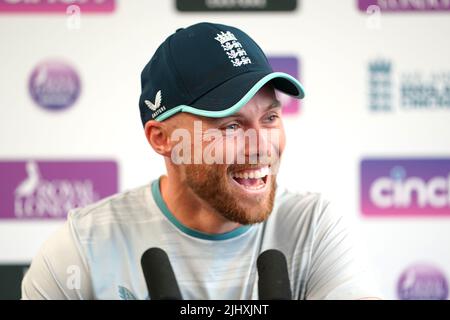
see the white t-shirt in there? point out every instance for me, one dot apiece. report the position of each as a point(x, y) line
point(97, 253)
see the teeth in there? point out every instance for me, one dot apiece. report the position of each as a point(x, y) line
point(252, 174)
point(255, 188)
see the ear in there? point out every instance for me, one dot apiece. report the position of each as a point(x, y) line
point(158, 136)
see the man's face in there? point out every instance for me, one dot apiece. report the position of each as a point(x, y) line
point(242, 186)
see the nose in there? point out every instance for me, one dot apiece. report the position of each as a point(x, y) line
point(259, 144)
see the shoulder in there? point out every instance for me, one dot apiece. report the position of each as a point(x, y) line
point(306, 214)
point(58, 271)
point(305, 206)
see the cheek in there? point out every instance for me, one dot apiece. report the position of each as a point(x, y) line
point(277, 140)
point(282, 136)
point(282, 141)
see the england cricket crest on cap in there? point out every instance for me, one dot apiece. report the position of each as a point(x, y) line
point(233, 49)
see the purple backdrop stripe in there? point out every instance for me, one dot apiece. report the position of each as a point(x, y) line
point(49, 189)
point(405, 187)
point(289, 65)
point(399, 6)
point(55, 6)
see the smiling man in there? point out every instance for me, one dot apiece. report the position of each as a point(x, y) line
point(209, 108)
point(221, 195)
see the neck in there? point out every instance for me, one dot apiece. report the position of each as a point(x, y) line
point(192, 211)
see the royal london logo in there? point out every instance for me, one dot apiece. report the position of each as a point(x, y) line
point(233, 49)
point(50, 189)
point(157, 107)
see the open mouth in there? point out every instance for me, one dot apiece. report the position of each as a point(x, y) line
point(252, 179)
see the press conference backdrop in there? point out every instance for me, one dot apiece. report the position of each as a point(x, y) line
point(372, 134)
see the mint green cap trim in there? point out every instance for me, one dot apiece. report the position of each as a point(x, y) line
point(245, 99)
point(194, 233)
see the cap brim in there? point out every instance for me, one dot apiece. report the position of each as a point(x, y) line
point(235, 93)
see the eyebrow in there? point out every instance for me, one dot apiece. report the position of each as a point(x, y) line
point(275, 104)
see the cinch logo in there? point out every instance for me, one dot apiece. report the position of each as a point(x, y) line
point(289, 65)
point(422, 282)
point(405, 187)
point(405, 5)
point(56, 6)
point(49, 189)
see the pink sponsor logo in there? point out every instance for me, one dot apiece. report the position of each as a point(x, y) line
point(54, 85)
point(49, 189)
point(422, 282)
point(289, 65)
point(405, 5)
point(405, 187)
point(56, 6)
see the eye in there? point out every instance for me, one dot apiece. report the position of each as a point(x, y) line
point(231, 126)
point(272, 118)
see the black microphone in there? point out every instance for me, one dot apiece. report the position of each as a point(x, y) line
point(273, 283)
point(159, 276)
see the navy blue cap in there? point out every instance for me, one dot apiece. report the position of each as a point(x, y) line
point(207, 69)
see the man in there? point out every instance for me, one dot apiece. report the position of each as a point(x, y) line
point(208, 106)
